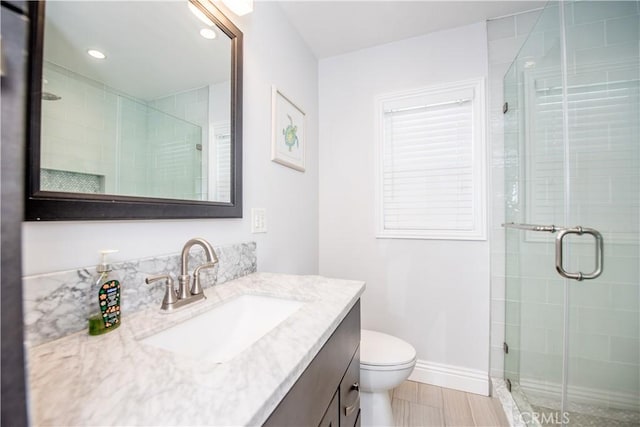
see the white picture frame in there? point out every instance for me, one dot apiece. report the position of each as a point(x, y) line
point(288, 131)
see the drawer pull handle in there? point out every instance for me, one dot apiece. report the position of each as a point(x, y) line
point(348, 410)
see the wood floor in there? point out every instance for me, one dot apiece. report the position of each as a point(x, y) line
point(421, 405)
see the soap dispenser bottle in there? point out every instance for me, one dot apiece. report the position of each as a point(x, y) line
point(104, 298)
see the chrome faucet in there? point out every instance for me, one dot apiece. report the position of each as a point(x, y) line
point(184, 280)
point(186, 293)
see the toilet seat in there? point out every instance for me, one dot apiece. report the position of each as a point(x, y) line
point(388, 367)
point(382, 352)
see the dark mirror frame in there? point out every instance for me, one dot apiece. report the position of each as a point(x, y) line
point(59, 206)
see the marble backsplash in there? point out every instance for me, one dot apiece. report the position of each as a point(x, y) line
point(57, 304)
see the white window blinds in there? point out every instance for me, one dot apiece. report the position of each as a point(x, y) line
point(431, 163)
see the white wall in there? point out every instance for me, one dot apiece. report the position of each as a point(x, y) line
point(432, 293)
point(274, 53)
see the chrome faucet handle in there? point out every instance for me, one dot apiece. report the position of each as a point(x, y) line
point(197, 287)
point(170, 296)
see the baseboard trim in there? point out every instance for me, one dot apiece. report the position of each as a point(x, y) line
point(449, 376)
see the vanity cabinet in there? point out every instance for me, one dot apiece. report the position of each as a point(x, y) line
point(327, 392)
point(332, 416)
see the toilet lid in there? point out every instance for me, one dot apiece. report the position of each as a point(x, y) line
point(381, 349)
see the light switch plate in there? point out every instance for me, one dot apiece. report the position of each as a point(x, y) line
point(258, 220)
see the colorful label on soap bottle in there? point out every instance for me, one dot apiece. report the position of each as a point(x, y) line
point(109, 296)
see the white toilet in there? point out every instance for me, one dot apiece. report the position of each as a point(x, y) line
point(385, 362)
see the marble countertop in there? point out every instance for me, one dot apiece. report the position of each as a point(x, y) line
point(116, 380)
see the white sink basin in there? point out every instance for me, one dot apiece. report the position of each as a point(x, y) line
point(223, 332)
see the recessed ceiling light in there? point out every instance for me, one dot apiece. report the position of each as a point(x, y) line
point(208, 33)
point(96, 54)
point(199, 14)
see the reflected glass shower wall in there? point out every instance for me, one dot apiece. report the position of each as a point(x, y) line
point(572, 157)
point(97, 139)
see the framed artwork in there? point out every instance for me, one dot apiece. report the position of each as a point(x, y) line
point(288, 123)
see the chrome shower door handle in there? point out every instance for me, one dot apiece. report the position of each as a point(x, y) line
point(599, 255)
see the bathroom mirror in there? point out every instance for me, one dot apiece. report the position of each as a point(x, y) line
point(135, 111)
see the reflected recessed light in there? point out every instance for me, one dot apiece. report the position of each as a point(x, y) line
point(96, 54)
point(239, 7)
point(199, 14)
point(208, 33)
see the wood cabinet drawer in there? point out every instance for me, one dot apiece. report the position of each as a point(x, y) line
point(350, 393)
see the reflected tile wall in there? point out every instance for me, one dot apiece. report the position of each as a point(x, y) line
point(79, 129)
point(57, 304)
point(174, 143)
point(136, 148)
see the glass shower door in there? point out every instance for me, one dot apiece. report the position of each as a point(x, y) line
point(603, 149)
point(572, 158)
point(534, 194)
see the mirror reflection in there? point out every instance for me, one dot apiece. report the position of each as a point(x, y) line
point(136, 101)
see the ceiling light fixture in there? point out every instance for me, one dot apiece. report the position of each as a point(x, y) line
point(239, 7)
point(96, 54)
point(199, 14)
point(208, 33)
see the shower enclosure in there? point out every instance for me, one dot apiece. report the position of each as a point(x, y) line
point(572, 194)
point(98, 139)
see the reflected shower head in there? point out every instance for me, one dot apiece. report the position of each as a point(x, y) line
point(48, 96)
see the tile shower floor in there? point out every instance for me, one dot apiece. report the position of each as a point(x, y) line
point(416, 404)
point(592, 417)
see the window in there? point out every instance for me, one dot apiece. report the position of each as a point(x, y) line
point(431, 163)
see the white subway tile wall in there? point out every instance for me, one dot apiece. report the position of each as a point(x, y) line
point(175, 150)
point(78, 128)
point(603, 63)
